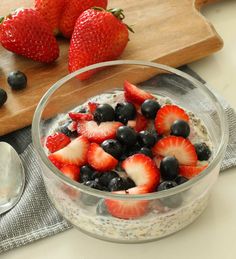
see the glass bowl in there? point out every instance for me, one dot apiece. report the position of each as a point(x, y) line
point(168, 211)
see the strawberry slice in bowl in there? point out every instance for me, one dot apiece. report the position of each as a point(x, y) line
point(128, 209)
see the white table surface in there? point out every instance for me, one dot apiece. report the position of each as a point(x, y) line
point(213, 234)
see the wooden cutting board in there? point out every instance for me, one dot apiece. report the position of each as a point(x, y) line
point(166, 31)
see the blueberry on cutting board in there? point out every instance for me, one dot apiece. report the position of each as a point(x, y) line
point(3, 97)
point(17, 80)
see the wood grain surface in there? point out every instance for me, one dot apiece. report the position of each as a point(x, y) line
point(166, 31)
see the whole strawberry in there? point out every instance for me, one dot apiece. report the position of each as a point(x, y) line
point(99, 35)
point(52, 11)
point(26, 33)
point(73, 10)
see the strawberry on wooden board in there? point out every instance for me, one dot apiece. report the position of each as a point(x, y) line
point(52, 11)
point(99, 159)
point(191, 171)
point(73, 154)
point(98, 133)
point(166, 116)
point(134, 94)
point(127, 209)
point(142, 170)
point(178, 147)
point(26, 33)
point(71, 171)
point(73, 9)
point(98, 36)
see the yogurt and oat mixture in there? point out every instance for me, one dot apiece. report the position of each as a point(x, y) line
point(162, 218)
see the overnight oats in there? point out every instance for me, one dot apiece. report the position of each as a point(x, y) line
point(132, 143)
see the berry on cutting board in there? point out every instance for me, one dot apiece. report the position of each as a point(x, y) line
point(182, 149)
point(3, 97)
point(17, 80)
point(26, 33)
point(73, 9)
point(165, 117)
point(57, 141)
point(99, 159)
point(52, 11)
point(97, 31)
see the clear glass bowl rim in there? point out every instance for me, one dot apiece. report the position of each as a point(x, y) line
point(154, 195)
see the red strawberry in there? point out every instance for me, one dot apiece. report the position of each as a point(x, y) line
point(98, 133)
point(73, 10)
point(75, 153)
point(134, 94)
point(57, 163)
point(71, 171)
point(166, 116)
point(52, 11)
point(127, 209)
point(57, 141)
point(191, 171)
point(98, 36)
point(99, 159)
point(26, 33)
point(81, 116)
point(142, 170)
point(179, 147)
point(139, 124)
point(92, 107)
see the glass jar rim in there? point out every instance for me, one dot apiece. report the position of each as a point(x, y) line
point(102, 194)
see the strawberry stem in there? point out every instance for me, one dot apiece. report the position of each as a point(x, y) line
point(1, 19)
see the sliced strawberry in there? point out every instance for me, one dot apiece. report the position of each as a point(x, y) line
point(99, 159)
point(92, 107)
point(157, 160)
point(57, 141)
point(75, 153)
point(73, 126)
point(57, 163)
point(71, 171)
point(81, 116)
point(166, 116)
point(142, 170)
point(179, 147)
point(135, 95)
point(127, 209)
point(139, 124)
point(191, 171)
point(98, 133)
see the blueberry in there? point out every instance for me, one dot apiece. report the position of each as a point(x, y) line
point(149, 108)
point(125, 112)
point(106, 177)
point(104, 112)
point(17, 80)
point(180, 179)
point(112, 147)
point(116, 184)
point(146, 139)
point(126, 135)
point(157, 136)
point(129, 151)
point(180, 128)
point(146, 151)
point(86, 174)
point(3, 97)
point(95, 184)
point(166, 185)
point(203, 151)
point(169, 168)
point(128, 183)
